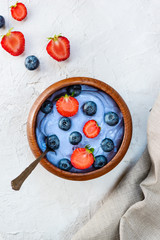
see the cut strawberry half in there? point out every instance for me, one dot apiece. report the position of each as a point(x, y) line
point(67, 106)
point(82, 158)
point(19, 11)
point(58, 48)
point(13, 43)
point(91, 129)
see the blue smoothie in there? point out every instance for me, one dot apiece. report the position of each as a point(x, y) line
point(48, 124)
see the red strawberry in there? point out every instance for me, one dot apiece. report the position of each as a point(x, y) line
point(59, 48)
point(82, 158)
point(13, 42)
point(67, 106)
point(19, 11)
point(91, 129)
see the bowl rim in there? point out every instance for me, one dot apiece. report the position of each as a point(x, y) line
point(31, 124)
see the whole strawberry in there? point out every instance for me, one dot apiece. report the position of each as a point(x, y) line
point(13, 42)
point(67, 106)
point(82, 158)
point(19, 11)
point(58, 48)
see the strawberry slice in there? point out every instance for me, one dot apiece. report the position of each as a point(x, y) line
point(59, 48)
point(13, 43)
point(91, 129)
point(82, 158)
point(67, 106)
point(19, 11)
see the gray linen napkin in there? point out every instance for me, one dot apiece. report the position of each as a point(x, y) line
point(132, 211)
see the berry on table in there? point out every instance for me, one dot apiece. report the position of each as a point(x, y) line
point(31, 62)
point(2, 21)
point(58, 48)
point(13, 42)
point(19, 11)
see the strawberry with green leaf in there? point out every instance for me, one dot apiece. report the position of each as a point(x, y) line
point(67, 106)
point(18, 11)
point(58, 48)
point(82, 158)
point(13, 42)
point(91, 129)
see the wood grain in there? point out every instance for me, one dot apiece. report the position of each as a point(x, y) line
point(31, 124)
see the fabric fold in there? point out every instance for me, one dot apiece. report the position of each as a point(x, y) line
point(143, 217)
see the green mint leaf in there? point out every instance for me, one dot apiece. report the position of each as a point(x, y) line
point(87, 146)
point(91, 149)
point(73, 94)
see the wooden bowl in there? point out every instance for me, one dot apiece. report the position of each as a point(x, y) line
point(31, 125)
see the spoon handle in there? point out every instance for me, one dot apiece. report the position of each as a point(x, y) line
point(17, 182)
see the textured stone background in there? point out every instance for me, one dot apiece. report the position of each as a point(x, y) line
point(115, 41)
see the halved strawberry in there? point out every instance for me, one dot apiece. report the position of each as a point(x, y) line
point(91, 129)
point(19, 11)
point(59, 48)
point(82, 158)
point(67, 106)
point(13, 42)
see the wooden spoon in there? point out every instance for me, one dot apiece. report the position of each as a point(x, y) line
point(17, 182)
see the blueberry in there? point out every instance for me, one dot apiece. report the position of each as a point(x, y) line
point(111, 118)
point(53, 142)
point(65, 164)
point(47, 106)
point(90, 108)
point(74, 90)
point(64, 123)
point(75, 138)
point(2, 21)
point(31, 62)
point(107, 145)
point(100, 161)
